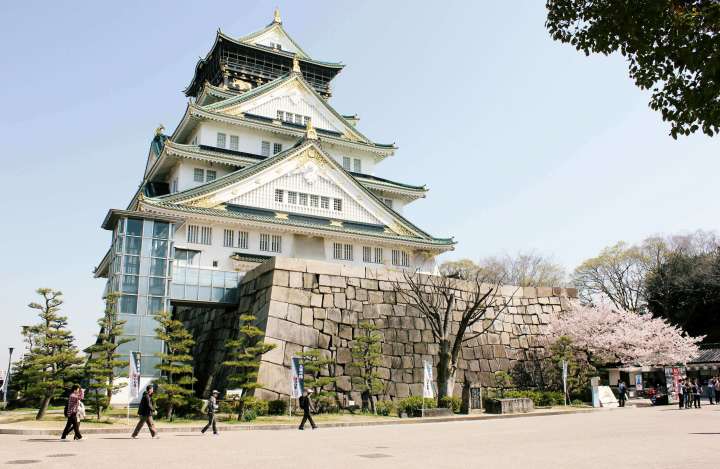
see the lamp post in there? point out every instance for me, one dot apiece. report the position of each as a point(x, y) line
point(7, 377)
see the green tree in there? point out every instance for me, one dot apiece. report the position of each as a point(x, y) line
point(104, 362)
point(175, 363)
point(245, 353)
point(579, 369)
point(53, 359)
point(503, 381)
point(671, 47)
point(318, 377)
point(20, 376)
point(367, 356)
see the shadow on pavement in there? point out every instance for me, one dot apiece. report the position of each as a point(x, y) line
point(45, 440)
point(705, 433)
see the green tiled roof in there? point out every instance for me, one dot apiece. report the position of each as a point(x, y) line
point(227, 180)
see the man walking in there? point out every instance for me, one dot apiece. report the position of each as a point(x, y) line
point(212, 408)
point(622, 393)
point(711, 390)
point(71, 412)
point(145, 412)
point(696, 390)
point(681, 393)
point(306, 406)
point(717, 389)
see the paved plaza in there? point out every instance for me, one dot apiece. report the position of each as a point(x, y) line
point(661, 437)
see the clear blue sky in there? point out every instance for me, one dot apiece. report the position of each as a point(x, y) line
point(524, 142)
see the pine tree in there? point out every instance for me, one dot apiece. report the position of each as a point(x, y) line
point(104, 363)
point(245, 353)
point(20, 376)
point(175, 363)
point(367, 356)
point(53, 359)
point(317, 376)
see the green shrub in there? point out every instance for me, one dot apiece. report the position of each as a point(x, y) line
point(259, 406)
point(227, 407)
point(550, 398)
point(577, 403)
point(249, 415)
point(277, 407)
point(451, 402)
point(385, 408)
point(535, 396)
point(413, 405)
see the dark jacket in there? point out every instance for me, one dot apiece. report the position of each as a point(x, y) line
point(304, 402)
point(146, 408)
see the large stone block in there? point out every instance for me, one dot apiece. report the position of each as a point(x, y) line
point(277, 354)
point(274, 377)
point(325, 268)
point(291, 332)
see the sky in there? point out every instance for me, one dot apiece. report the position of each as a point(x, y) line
point(524, 143)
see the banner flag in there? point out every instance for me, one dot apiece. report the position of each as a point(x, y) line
point(428, 379)
point(297, 384)
point(134, 374)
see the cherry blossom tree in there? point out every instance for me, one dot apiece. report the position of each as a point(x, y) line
point(610, 335)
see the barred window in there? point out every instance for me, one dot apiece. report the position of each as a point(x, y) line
point(367, 254)
point(265, 148)
point(229, 238)
point(277, 148)
point(343, 251)
point(264, 242)
point(298, 119)
point(337, 205)
point(221, 140)
point(210, 175)
point(400, 258)
point(357, 165)
point(234, 142)
point(303, 198)
point(314, 200)
point(193, 233)
point(348, 252)
point(325, 202)
point(242, 239)
point(199, 175)
point(280, 115)
point(337, 251)
point(279, 193)
point(276, 243)
point(292, 197)
point(378, 255)
point(270, 243)
point(306, 119)
point(346, 163)
point(205, 235)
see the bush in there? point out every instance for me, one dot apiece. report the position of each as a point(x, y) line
point(249, 415)
point(277, 407)
point(385, 408)
point(451, 402)
point(413, 405)
point(536, 396)
point(227, 407)
point(550, 398)
point(259, 406)
point(577, 403)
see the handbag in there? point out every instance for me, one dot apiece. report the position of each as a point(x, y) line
point(81, 411)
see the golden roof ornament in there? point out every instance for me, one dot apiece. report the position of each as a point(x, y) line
point(310, 132)
point(159, 129)
point(276, 16)
point(296, 65)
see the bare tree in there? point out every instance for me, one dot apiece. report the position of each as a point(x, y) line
point(525, 269)
point(457, 311)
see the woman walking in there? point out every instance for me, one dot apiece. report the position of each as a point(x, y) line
point(71, 412)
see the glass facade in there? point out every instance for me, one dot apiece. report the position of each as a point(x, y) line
point(140, 272)
point(207, 285)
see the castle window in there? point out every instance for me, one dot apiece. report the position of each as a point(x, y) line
point(357, 165)
point(303, 199)
point(346, 163)
point(400, 258)
point(314, 200)
point(343, 252)
point(206, 235)
point(210, 175)
point(265, 148)
point(242, 239)
point(221, 137)
point(378, 255)
point(228, 238)
point(279, 193)
point(337, 205)
point(234, 142)
point(193, 234)
point(199, 175)
point(280, 115)
point(277, 148)
point(367, 254)
point(270, 243)
point(292, 197)
point(325, 202)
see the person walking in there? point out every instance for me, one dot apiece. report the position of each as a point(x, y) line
point(688, 393)
point(717, 389)
point(145, 412)
point(71, 412)
point(696, 390)
point(710, 390)
point(622, 393)
point(306, 405)
point(681, 393)
point(212, 408)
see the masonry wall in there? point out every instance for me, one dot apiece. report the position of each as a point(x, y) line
point(312, 304)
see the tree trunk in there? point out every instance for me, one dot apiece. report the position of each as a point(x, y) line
point(444, 369)
point(43, 407)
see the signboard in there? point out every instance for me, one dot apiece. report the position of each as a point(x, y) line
point(428, 379)
point(134, 374)
point(475, 398)
point(638, 382)
point(297, 383)
point(564, 377)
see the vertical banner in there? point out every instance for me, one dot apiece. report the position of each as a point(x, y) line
point(134, 375)
point(297, 384)
point(564, 378)
point(638, 382)
point(427, 379)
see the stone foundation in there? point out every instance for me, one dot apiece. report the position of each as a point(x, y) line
point(312, 304)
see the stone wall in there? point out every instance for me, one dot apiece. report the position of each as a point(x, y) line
point(312, 304)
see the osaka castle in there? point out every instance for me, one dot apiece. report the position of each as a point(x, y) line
point(260, 165)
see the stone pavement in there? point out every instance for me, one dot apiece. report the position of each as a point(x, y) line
point(658, 437)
